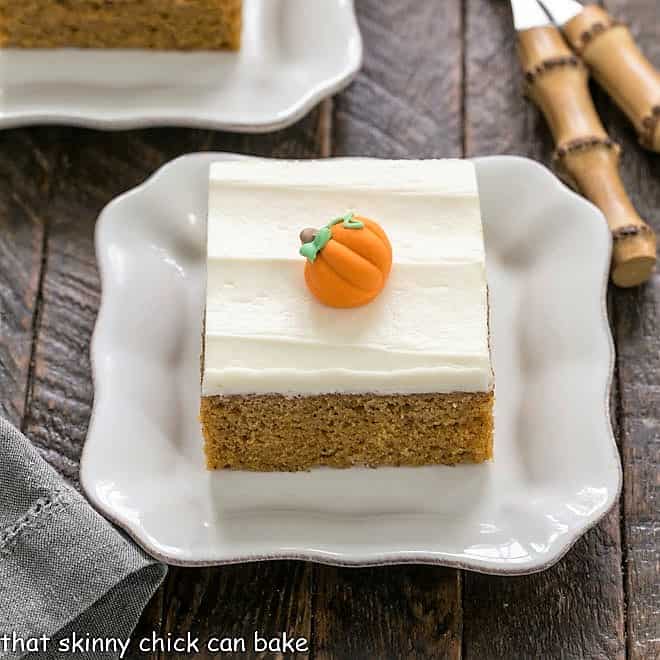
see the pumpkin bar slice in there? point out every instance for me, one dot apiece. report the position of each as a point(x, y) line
point(155, 24)
point(366, 345)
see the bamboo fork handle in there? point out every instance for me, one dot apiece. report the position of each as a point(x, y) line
point(585, 157)
point(620, 68)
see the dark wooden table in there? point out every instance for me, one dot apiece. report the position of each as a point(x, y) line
point(440, 79)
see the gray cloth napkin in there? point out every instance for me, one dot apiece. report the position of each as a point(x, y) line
point(65, 572)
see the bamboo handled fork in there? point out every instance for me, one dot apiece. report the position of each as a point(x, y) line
point(585, 157)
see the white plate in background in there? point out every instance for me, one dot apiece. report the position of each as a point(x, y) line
point(294, 53)
point(556, 470)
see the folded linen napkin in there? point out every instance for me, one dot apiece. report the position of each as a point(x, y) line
point(67, 576)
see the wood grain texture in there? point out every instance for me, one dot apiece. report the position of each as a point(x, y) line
point(405, 103)
point(61, 390)
point(575, 609)
point(498, 120)
point(387, 612)
point(27, 163)
point(237, 601)
point(637, 323)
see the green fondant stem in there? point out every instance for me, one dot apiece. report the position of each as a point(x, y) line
point(348, 220)
point(310, 250)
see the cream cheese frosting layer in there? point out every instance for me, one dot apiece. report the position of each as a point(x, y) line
point(265, 332)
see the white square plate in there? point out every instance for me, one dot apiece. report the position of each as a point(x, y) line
point(556, 470)
point(294, 53)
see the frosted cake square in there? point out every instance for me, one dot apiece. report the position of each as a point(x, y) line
point(154, 24)
point(290, 382)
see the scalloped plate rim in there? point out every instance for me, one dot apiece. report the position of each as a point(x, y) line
point(329, 558)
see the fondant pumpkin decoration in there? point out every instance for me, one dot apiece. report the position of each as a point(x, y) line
point(348, 261)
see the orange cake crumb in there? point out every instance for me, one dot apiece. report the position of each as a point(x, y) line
point(278, 433)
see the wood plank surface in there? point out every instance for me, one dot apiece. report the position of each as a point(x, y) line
point(405, 103)
point(235, 602)
point(27, 164)
point(637, 323)
point(407, 100)
point(387, 612)
point(574, 609)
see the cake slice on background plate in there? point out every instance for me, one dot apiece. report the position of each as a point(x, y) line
point(155, 24)
point(366, 345)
